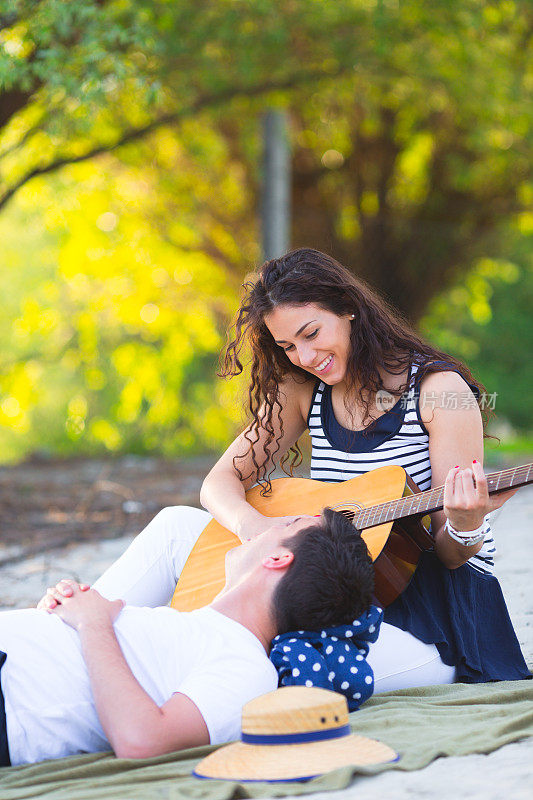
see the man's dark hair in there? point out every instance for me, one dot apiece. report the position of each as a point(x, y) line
point(331, 580)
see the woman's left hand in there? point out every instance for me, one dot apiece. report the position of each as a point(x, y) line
point(466, 497)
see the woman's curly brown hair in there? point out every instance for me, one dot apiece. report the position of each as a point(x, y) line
point(379, 337)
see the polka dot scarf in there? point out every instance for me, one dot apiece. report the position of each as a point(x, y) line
point(333, 658)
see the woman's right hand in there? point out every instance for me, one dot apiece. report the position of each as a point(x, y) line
point(64, 588)
point(253, 524)
point(223, 491)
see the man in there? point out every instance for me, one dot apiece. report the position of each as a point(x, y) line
point(86, 673)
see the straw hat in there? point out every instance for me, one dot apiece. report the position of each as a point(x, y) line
point(293, 734)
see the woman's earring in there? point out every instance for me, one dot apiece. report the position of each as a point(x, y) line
point(352, 316)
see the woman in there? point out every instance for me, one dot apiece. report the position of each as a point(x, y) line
point(331, 356)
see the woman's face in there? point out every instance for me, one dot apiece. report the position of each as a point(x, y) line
point(313, 338)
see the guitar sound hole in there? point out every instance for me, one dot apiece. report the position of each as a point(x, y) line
point(349, 510)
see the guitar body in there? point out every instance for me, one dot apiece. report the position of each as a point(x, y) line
point(394, 547)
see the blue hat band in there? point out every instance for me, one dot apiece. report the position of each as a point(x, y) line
point(296, 738)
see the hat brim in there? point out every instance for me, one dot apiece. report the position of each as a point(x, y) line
point(293, 762)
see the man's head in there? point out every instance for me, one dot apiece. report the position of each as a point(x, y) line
point(318, 570)
point(330, 580)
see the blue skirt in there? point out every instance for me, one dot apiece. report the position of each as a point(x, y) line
point(4, 749)
point(462, 612)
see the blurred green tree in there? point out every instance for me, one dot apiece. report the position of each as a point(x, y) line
point(109, 334)
point(129, 176)
point(486, 320)
point(412, 137)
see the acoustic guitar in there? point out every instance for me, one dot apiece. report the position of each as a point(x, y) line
point(384, 504)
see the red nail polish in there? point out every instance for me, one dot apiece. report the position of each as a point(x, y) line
point(474, 461)
point(456, 466)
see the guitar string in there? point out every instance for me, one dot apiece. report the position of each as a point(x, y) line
point(433, 497)
point(429, 499)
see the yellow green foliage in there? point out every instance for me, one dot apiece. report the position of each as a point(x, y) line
point(110, 332)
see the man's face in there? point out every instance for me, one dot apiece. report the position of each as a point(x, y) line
point(241, 560)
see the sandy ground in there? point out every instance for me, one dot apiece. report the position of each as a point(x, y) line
point(508, 772)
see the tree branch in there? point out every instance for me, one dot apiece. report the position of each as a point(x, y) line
point(26, 136)
point(208, 101)
point(12, 101)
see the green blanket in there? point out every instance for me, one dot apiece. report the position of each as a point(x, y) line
point(421, 724)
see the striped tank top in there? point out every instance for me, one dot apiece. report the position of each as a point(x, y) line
point(397, 437)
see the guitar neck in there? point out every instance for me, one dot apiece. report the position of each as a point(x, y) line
point(433, 499)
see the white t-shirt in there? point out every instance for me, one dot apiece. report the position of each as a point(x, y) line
point(218, 663)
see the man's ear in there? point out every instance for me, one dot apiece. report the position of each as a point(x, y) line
point(278, 561)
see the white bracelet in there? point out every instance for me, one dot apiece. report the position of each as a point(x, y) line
point(467, 538)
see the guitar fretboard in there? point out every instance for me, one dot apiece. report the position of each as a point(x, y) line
point(433, 499)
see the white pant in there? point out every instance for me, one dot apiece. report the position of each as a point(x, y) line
point(401, 661)
point(147, 573)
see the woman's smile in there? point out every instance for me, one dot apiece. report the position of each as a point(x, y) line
point(325, 365)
